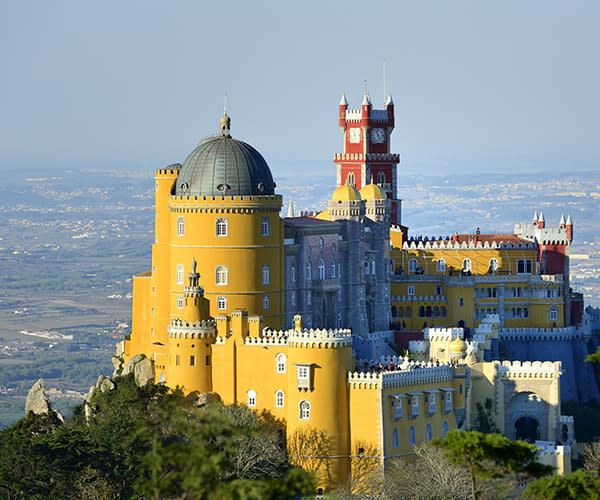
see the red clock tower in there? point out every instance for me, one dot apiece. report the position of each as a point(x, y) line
point(366, 157)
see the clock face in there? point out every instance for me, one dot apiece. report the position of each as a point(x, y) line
point(354, 135)
point(377, 136)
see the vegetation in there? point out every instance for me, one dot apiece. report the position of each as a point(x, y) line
point(148, 443)
point(484, 421)
point(587, 417)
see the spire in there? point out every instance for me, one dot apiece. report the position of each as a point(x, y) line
point(366, 100)
point(535, 217)
point(562, 220)
point(290, 209)
point(344, 102)
point(390, 101)
point(569, 221)
point(541, 219)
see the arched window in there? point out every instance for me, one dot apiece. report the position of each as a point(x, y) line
point(467, 265)
point(373, 267)
point(333, 269)
point(221, 303)
point(281, 362)
point(428, 312)
point(412, 436)
point(221, 226)
point(366, 266)
point(180, 274)
point(440, 266)
point(421, 312)
point(308, 272)
point(265, 226)
point(380, 177)
point(443, 311)
point(395, 438)
point(493, 265)
point(266, 274)
point(279, 399)
point(525, 312)
point(293, 273)
point(401, 312)
point(321, 269)
point(266, 302)
point(180, 226)
point(321, 243)
point(428, 432)
point(413, 265)
point(251, 398)
point(304, 410)
point(394, 312)
point(436, 312)
point(221, 275)
point(180, 302)
point(308, 297)
point(350, 180)
point(444, 429)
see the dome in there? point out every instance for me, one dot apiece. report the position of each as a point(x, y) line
point(372, 192)
point(457, 346)
point(221, 166)
point(345, 193)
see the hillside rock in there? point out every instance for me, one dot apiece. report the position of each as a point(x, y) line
point(207, 397)
point(117, 362)
point(37, 401)
point(143, 372)
point(130, 366)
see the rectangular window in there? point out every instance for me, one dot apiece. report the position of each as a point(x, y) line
point(221, 226)
point(221, 303)
point(180, 274)
point(266, 302)
point(303, 376)
point(415, 406)
point(192, 360)
point(180, 302)
point(438, 290)
point(180, 226)
point(265, 226)
point(410, 290)
point(524, 266)
point(177, 360)
point(207, 360)
point(431, 402)
point(397, 408)
point(448, 401)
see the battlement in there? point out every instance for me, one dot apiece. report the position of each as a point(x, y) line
point(544, 236)
point(418, 346)
point(393, 157)
point(439, 334)
point(566, 419)
point(266, 341)
point(551, 448)
point(410, 373)
point(541, 334)
point(320, 338)
point(528, 369)
point(419, 298)
point(243, 199)
point(474, 244)
point(187, 330)
point(168, 172)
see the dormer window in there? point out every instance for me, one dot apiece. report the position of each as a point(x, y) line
point(304, 376)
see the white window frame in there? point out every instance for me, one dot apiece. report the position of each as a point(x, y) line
point(410, 290)
point(221, 303)
point(180, 226)
point(221, 275)
point(180, 302)
point(553, 313)
point(180, 274)
point(467, 265)
point(494, 264)
point(265, 226)
point(251, 398)
point(222, 227)
point(414, 406)
point(266, 302)
point(281, 363)
point(381, 177)
point(413, 265)
point(440, 266)
point(266, 274)
point(303, 377)
point(304, 410)
point(321, 269)
point(279, 399)
point(293, 273)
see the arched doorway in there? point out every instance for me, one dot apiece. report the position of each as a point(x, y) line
point(461, 323)
point(527, 429)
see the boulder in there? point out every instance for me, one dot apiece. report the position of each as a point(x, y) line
point(207, 397)
point(143, 372)
point(37, 401)
point(117, 362)
point(130, 366)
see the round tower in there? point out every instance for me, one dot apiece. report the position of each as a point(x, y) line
point(318, 392)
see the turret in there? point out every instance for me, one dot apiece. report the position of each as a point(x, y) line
point(343, 109)
point(541, 223)
point(569, 228)
point(389, 106)
point(535, 218)
point(366, 110)
point(561, 224)
point(290, 212)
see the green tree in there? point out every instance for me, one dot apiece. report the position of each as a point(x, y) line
point(484, 421)
point(491, 456)
point(576, 486)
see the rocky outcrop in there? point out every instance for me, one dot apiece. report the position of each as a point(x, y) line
point(143, 372)
point(37, 401)
point(206, 397)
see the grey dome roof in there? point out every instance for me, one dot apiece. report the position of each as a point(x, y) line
point(221, 165)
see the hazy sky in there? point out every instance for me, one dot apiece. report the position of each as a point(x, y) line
point(478, 86)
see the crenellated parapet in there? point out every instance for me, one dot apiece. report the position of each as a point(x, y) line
point(418, 346)
point(442, 334)
point(192, 330)
point(411, 374)
point(266, 341)
point(567, 333)
point(528, 369)
point(473, 244)
point(320, 338)
point(551, 448)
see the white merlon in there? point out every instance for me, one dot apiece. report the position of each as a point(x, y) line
point(353, 115)
point(416, 374)
point(551, 448)
point(262, 341)
point(413, 244)
point(528, 369)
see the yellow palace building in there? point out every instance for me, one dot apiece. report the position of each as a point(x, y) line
point(257, 309)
